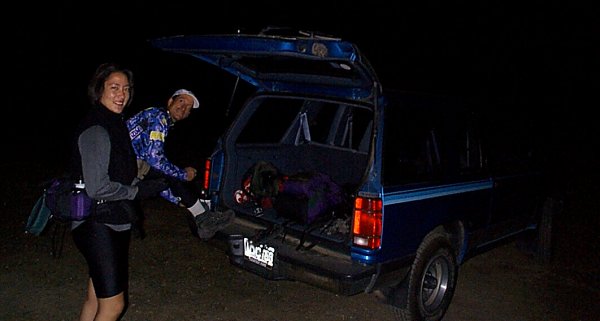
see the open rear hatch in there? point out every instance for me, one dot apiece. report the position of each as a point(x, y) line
point(302, 145)
point(304, 64)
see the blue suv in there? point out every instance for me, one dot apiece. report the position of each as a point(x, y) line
point(341, 184)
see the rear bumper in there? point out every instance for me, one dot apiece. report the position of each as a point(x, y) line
point(327, 266)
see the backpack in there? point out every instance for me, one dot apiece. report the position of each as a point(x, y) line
point(264, 179)
point(66, 201)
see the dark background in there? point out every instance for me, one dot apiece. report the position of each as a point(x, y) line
point(535, 61)
point(531, 61)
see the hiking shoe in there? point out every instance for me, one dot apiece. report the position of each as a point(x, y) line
point(210, 222)
point(193, 225)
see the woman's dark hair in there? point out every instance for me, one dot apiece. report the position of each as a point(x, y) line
point(96, 86)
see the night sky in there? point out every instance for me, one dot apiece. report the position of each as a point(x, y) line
point(537, 61)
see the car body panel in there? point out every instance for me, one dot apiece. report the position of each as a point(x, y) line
point(320, 107)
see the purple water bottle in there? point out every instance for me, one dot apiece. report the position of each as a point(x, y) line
point(81, 203)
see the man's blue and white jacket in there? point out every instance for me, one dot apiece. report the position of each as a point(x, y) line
point(148, 130)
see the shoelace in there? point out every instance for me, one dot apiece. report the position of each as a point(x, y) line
point(215, 218)
point(219, 216)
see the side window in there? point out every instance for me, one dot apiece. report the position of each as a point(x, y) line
point(338, 125)
point(460, 144)
point(352, 128)
point(320, 120)
point(472, 159)
point(410, 152)
point(511, 144)
point(270, 121)
point(428, 141)
point(360, 129)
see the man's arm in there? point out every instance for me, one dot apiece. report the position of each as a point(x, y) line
point(155, 155)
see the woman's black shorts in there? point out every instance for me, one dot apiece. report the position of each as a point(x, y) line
point(107, 254)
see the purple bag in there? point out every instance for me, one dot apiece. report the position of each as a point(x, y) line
point(306, 197)
point(66, 202)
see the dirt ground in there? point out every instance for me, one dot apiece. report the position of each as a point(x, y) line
point(175, 276)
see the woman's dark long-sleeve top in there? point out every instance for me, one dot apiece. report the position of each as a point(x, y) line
point(107, 163)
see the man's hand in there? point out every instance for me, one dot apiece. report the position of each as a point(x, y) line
point(191, 173)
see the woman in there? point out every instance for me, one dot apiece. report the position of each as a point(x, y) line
point(107, 163)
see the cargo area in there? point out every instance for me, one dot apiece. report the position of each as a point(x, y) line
point(301, 188)
point(299, 174)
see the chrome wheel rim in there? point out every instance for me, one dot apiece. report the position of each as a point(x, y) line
point(435, 283)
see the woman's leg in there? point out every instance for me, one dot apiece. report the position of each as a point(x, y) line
point(106, 252)
point(109, 309)
point(95, 309)
point(90, 305)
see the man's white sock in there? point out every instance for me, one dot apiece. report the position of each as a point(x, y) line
point(199, 207)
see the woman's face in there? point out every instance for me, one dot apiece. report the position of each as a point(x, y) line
point(116, 92)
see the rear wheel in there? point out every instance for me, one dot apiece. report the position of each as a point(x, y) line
point(431, 281)
point(538, 242)
point(551, 207)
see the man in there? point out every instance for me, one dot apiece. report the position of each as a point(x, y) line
point(148, 130)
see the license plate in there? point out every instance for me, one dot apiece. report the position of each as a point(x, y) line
point(260, 254)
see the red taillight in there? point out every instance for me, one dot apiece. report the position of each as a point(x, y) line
point(206, 174)
point(366, 229)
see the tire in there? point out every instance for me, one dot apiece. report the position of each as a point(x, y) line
point(550, 208)
point(431, 281)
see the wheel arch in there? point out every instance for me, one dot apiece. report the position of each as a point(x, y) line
point(458, 238)
point(397, 296)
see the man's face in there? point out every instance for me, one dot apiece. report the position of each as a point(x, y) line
point(179, 107)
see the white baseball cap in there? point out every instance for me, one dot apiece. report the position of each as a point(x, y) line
point(189, 93)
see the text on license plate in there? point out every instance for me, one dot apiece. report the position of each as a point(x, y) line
point(260, 254)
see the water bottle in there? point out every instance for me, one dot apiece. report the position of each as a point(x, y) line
point(81, 203)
